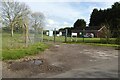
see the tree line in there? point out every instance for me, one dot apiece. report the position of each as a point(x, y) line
point(109, 17)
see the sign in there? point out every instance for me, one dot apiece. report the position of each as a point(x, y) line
point(50, 33)
point(74, 34)
point(60, 33)
point(47, 33)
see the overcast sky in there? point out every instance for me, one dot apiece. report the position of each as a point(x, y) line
point(63, 13)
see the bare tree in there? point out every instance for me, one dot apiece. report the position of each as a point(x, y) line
point(105, 33)
point(37, 22)
point(13, 13)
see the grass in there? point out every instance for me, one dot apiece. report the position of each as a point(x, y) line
point(14, 47)
point(108, 45)
point(8, 54)
point(95, 44)
point(90, 41)
point(86, 40)
point(62, 39)
point(9, 42)
point(50, 38)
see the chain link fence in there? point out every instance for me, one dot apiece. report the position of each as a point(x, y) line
point(18, 39)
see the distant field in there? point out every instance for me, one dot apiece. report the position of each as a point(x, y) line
point(86, 40)
point(62, 39)
point(89, 41)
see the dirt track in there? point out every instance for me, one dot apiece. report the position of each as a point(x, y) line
point(67, 61)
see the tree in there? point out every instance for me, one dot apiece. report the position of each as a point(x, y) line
point(80, 24)
point(118, 34)
point(116, 5)
point(37, 22)
point(110, 15)
point(105, 33)
point(13, 13)
point(93, 20)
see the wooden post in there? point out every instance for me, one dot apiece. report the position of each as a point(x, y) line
point(26, 35)
point(11, 31)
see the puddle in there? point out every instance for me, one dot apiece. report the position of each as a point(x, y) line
point(25, 64)
point(35, 62)
point(92, 60)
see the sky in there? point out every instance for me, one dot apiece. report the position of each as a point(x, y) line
point(64, 13)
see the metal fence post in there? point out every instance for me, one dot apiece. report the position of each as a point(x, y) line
point(83, 34)
point(54, 34)
point(42, 36)
point(66, 31)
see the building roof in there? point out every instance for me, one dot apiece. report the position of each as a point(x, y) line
point(87, 29)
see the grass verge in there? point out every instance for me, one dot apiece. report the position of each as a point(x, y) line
point(95, 44)
point(12, 54)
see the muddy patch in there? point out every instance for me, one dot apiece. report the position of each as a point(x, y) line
point(35, 66)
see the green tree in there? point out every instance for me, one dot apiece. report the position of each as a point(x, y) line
point(118, 33)
point(80, 24)
point(93, 17)
point(110, 15)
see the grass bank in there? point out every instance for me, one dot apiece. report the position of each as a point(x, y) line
point(95, 44)
point(12, 54)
